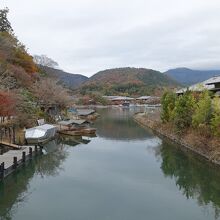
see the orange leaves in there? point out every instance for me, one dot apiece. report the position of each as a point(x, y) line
point(13, 52)
point(24, 60)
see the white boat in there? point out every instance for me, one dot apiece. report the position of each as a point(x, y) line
point(40, 134)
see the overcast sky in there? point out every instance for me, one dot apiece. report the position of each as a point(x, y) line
point(85, 36)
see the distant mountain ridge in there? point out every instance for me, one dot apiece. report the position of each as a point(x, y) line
point(187, 76)
point(131, 75)
point(69, 80)
point(127, 81)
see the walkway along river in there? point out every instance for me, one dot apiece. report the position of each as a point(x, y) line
point(125, 173)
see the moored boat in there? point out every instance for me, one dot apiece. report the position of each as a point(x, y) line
point(88, 131)
point(40, 134)
point(75, 127)
point(70, 132)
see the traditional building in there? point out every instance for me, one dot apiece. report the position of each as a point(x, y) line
point(119, 100)
point(212, 84)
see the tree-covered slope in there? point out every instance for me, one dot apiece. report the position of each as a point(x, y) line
point(25, 93)
point(69, 80)
point(128, 81)
point(17, 68)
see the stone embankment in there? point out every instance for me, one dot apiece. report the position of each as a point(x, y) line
point(208, 149)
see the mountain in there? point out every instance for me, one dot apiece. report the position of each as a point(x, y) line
point(187, 76)
point(127, 81)
point(69, 80)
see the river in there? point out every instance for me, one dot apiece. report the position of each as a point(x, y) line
point(125, 173)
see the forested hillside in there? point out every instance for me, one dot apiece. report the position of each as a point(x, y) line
point(128, 81)
point(25, 93)
point(69, 80)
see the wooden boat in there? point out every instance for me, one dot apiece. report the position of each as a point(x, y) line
point(78, 132)
point(88, 131)
point(70, 132)
point(75, 127)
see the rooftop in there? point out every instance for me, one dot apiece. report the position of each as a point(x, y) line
point(85, 112)
point(70, 122)
point(144, 97)
point(124, 98)
point(213, 80)
point(207, 84)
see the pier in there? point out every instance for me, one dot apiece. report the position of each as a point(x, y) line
point(12, 159)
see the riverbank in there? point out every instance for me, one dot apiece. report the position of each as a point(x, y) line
point(208, 148)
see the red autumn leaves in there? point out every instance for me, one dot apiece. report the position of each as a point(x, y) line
point(7, 104)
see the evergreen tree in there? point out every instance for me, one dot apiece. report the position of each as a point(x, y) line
point(5, 25)
point(183, 111)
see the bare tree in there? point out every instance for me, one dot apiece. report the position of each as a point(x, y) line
point(45, 61)
point(50, 93)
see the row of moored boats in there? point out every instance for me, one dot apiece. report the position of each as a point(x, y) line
point(46, 132)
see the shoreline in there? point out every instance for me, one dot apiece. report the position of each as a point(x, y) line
point(146, 121)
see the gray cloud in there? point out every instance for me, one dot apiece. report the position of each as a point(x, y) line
point(90, 35)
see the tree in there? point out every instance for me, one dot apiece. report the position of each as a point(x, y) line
point(14, 52)
point(5, 25)
point(49, 93)
point(23, 59)
point(7, 104)
point(183, 111)
point(45, 61)
point(215, 121)
point(203, 110)
point(168, 104)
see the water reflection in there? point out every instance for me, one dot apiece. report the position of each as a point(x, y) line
point(51, 163)
point(195, 177)
point(117, 124)
point(130, 174)
point(74, 140)
point(15, 188)
point(12, 191)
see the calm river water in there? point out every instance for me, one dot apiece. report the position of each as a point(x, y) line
point(126, 173)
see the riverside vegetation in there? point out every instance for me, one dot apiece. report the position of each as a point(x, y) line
point(191, 119)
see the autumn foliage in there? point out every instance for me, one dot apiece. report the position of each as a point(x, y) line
point(7, 104)
point(25, 93)
point(127, 82)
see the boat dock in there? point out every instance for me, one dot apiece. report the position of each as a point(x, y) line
point(13, 159)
